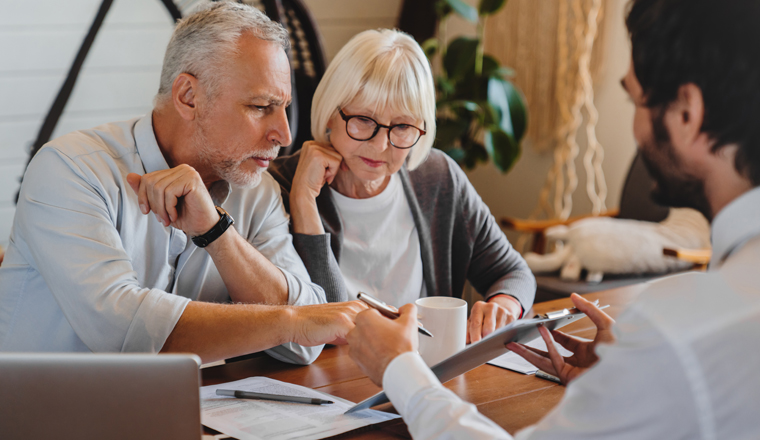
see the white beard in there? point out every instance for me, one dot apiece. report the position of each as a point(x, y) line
point(230, 170)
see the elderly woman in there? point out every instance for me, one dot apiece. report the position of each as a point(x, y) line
point(374, 209)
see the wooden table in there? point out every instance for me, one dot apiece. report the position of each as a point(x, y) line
point(512, 400)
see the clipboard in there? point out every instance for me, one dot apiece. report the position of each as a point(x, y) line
point(490, 347)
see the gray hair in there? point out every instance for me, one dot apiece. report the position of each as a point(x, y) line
point(202, 41)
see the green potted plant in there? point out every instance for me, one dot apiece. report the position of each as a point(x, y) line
point(481, 115)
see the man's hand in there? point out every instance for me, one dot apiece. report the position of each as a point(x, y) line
point(178, 197)
point(318, 164)
point(584, 352)
point(377, 340)
point(486, 317)
point(324, 323)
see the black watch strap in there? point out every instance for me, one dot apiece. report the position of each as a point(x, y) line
point(225, 221)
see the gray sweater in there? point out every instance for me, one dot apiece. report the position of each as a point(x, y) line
point(459, 238)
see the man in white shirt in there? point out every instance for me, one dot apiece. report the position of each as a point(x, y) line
point(681, 362)
point(123, 237)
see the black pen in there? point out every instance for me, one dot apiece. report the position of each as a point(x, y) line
point(387, 311)
point(278, 397)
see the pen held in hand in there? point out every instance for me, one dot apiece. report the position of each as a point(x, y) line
point(387, 311)
point(277, 397)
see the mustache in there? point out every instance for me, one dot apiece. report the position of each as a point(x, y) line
point(271, 153)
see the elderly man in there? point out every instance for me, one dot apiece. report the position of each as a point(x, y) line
point(685, 362)
point(122, 239)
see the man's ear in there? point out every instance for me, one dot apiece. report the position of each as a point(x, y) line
point(185, 96)
point(688, 111)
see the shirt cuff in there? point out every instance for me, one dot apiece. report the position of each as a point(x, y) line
point(405, 376)
point(154, 321)
point(302, 293)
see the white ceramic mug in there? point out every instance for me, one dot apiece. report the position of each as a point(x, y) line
point(446, 318)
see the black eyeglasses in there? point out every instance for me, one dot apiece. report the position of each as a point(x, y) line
point(363, 128)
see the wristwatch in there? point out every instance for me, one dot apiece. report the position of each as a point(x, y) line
point(225, 221)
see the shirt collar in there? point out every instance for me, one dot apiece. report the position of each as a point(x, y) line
point(738, 222)
point(220, 191)
point(153, 159)
point(147, 146)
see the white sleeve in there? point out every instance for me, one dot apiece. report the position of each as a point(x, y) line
point(430, 410)
point(71, 239)
point(642, 387)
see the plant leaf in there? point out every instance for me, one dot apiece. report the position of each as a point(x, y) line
point(430, 47)
point(460, 103)
point(464, 10)
point(488, 7)
point(448, 131)
point(460, 57)
point(457, 154)
point(502, 148)
point(510, 105)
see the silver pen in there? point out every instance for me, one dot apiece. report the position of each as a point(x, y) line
point(278, 397)
point(546, 376)
point(387, 311)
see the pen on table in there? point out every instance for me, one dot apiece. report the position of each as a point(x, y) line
point(387, 311)
point(546, 376)
point(263, 396)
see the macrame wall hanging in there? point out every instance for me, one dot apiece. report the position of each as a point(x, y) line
point(554, 48)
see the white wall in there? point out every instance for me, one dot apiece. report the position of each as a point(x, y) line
point(339, 20)
point(38, 42)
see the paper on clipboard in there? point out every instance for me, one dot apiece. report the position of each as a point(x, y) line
point(475, 355)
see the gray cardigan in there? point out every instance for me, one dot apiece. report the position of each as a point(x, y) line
point(459, 238)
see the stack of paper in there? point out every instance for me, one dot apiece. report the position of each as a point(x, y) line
point(513, 362)
point(247, 419)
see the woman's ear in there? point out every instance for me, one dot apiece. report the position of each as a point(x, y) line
point(327, 133)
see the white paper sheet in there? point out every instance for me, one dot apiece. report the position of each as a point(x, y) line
point(247, 419)
point(513, 362)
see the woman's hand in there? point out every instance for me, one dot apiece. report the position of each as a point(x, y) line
point(487, 317)
point(584, 351)
point(319, 164)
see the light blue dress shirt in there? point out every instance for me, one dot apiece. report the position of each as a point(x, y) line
point(85, 270)
point(684, 366)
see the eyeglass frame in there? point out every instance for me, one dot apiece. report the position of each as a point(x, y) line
point(378, 126)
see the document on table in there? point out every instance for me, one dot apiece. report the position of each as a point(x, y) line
point(247, 419)
point(512, 361)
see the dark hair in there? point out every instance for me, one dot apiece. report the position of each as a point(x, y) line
point(714, 44)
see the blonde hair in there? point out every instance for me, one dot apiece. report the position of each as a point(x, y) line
point(379, 70)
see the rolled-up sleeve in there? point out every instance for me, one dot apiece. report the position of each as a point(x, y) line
point(71, 239)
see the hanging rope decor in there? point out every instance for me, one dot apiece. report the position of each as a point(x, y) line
point(555, 50)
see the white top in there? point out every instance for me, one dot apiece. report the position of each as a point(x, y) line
point(684, 366)
point(87, 271)
point(381, 246)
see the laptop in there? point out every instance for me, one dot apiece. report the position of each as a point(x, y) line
point(99, 396)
